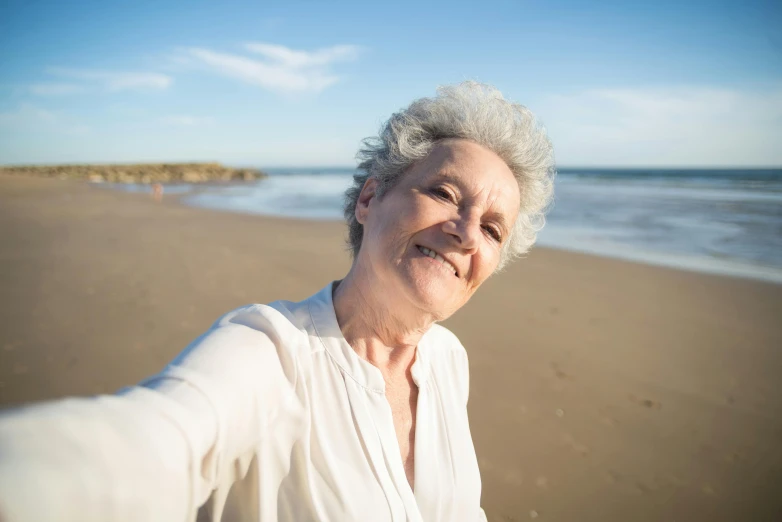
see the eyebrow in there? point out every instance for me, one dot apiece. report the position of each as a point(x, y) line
point(496, 216)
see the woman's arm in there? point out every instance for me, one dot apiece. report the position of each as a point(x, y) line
point(105, 458)
point(154, 451)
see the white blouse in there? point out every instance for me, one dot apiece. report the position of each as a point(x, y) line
point(270, 415)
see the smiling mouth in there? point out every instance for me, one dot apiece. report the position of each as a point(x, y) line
point(437, 257)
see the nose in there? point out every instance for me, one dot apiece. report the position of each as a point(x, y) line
point(465, 230)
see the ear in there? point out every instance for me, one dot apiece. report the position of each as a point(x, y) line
point(368, 193)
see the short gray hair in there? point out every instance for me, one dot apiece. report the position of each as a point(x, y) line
point(472, 111)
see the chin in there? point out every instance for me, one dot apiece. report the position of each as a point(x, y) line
point(436, 296)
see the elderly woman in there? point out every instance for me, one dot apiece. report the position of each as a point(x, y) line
point(349, 405)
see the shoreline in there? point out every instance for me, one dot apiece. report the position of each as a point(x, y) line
point(553, 238)
point(698, 264)
point(600, 389)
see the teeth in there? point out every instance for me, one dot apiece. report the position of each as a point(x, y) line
point(434, 255)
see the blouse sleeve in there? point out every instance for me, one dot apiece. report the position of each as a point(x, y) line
point(155, 451)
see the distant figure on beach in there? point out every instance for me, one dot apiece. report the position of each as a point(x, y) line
point(350, 405)
point(157, 192)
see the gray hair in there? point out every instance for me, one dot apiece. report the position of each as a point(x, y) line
point(472, 111)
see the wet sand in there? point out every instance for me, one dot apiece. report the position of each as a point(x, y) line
point(601, 390)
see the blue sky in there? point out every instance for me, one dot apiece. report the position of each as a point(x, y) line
point(300, 83)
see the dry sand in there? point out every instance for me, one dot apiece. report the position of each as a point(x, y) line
point(601, 390)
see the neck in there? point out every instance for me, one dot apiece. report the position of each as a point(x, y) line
point(382, 335)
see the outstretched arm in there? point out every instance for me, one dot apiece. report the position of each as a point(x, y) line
point(158, 450)
point(110, 458)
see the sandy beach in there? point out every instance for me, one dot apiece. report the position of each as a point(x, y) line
point(601, 390)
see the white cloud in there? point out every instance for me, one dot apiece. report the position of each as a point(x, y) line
point(31, 118)
point(183, 120)
point(282, 69)
point(24, 114)
point(681, 126)
point(294, 59)
point(115, 80)
point(56, 89)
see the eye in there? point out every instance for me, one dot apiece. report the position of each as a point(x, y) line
point(494, 232)
point(443, 193)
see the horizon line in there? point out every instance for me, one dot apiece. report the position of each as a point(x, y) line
point(260, 166)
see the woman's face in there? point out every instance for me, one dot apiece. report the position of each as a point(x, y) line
point(458, 204)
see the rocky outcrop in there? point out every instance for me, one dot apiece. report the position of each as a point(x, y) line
point(141, 173)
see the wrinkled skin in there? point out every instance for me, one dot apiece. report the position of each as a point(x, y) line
point(461, 202)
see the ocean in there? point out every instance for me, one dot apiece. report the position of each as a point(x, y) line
point(716, 221)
